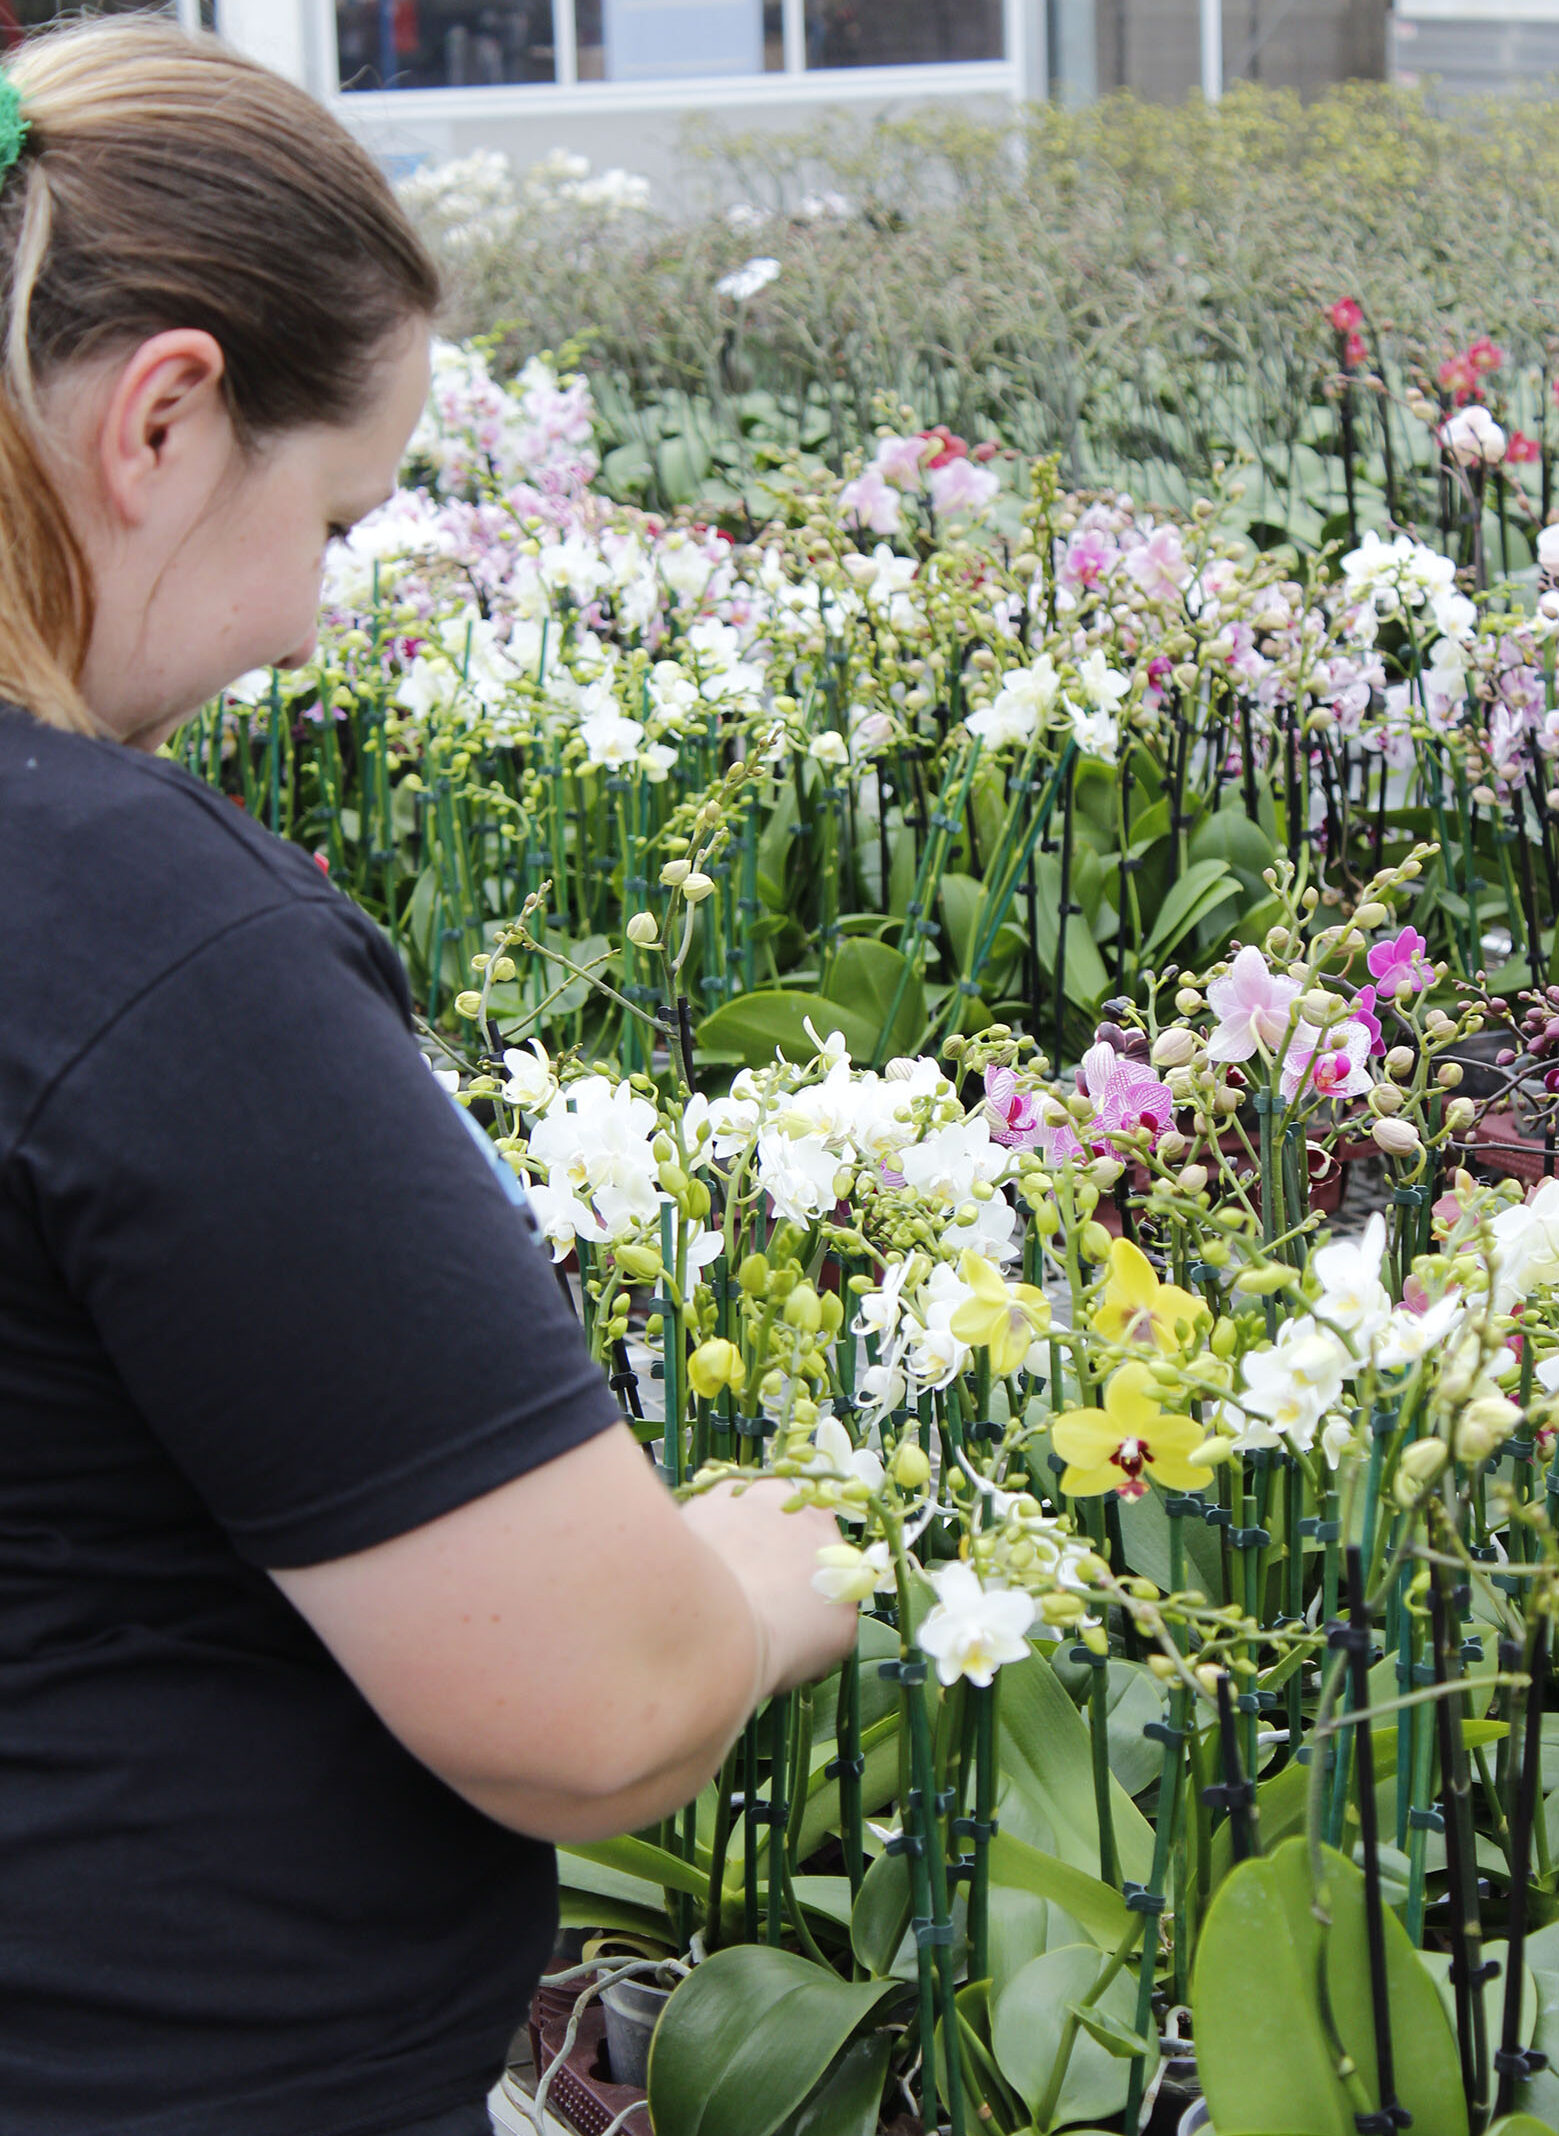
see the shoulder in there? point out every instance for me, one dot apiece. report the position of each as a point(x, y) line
point(117, 869)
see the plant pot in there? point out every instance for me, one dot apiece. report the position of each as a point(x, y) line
point(1195, 2121)
point(581, 2093)
point(633, 2010)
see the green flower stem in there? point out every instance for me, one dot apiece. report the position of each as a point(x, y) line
point(714, 1898)
point(986, 1776)
point(801, 1737)
point(847, 1734)
point(1166, 1824)
point(1046, 2111)
point(673, 1349)
point(1099, 1743)
point(779, 1714)
point(750, 1908)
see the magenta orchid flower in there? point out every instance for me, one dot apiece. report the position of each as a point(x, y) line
point(1399, 966)
point(1330, 1064)
point(1013, 1114)
point(1251, 1005)
point(1364, 1013)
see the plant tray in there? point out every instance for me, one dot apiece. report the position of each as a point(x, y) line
point(581, 2093)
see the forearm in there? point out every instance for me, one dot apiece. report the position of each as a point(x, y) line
point(576, 1820)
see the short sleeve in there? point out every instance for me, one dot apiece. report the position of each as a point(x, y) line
point(313, 1288)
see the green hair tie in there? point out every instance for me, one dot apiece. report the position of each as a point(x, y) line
point(14, 125)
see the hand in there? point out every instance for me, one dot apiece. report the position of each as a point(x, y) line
point(774, 1555)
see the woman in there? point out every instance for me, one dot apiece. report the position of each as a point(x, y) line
point(332, 1588)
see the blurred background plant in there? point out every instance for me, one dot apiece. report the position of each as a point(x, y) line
point(1142, 290)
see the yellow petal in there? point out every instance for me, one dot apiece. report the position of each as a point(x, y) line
point(984, 1280)
point(977, 1320)
point(1009, 1345)
point(1132, 1281)
point(1084, 1436)
point(1090, 1482)
point(1132, 1401)
point(1178, 1470)
point(1176, 1304)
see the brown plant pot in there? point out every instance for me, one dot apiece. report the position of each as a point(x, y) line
point(1500, 1143)
point(581, 2092)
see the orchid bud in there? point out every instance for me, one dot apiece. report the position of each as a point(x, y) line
point(1460, 1114)
point(1483, 1425)
point(1173, 1048)
point(642, 931)
point(804, 1309)
point(675, 873)
point(1386, 1099)
point(911, 1467)
point(714, 1366)
point(1448, 1074)
point(1371, 915)
point(697, 887)
point(1172, 1147)
point(1399, 1061)
point(1423, 1460)
point(468, 1004)
point(1398, 1138)
point(1188, 1001)
point(1163, 1668)
point(1096, 1241)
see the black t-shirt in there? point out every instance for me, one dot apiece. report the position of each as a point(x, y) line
point(262, 1304)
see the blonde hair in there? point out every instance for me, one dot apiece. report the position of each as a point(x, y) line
point(166, 182)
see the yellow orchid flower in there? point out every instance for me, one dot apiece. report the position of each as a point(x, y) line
point(1136, 1307)
point(1117, 1448)
point(1001, 1317)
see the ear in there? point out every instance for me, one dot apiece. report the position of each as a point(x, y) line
point(165, 423)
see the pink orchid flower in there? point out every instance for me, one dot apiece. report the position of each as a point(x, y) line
point(1364, 1012)
point(1013, 1114)
point(1330, 1064)
point(1126, 1095)
point(1398, 966)
point(1251, 1005)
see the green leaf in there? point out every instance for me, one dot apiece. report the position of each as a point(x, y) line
point(753, 1025)
point(961, 896)
point(1264, 2051)
point(1113, 2034)
point(829, 1896)
point(1048, 1764)
point(1026, 2027)
point(655, 1865)
point(1519, 2125)
point(867, 977)
point(881, 1916)
point(748, 2037)
point(1087, 981)
point(848, 2102)
point(1204, 886)
point(1097, 1908)
point(1134, 1698)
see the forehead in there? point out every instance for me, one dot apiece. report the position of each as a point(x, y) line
point(372, 444)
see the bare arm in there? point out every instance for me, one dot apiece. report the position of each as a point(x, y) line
point(571, 1652)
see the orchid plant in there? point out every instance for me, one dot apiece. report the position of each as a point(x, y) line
point(931, 966)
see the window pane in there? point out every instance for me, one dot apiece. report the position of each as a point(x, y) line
point(17, 17)
point(443, 44)
point(666, 40)
point(901, 33)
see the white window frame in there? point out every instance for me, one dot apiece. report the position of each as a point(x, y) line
point(568, 96)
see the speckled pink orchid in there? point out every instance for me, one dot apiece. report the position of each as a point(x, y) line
point(1126, 1095)
point(1330, 1064)
point(1013, 1114)
point(1251, 1004)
